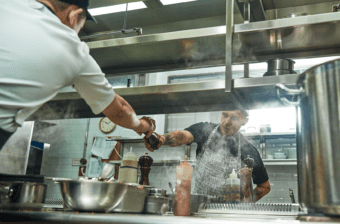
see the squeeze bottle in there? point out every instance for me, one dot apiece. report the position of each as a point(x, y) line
point(233, 188)
point(183, 189)
point(128, 168)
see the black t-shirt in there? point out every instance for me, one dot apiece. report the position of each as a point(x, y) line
point(201, 132)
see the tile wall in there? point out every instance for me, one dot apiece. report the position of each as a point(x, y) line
point(281, 179)
point(67, 141)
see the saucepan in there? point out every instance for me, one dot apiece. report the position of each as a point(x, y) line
point(22, 191)
point(318, 131)
point(23, 195)
point(92, 196)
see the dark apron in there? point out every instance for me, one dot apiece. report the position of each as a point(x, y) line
point(4, 136)
point(213, 168)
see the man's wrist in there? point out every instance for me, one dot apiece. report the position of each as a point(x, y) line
point(138, 127)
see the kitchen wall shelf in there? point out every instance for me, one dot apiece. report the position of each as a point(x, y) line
point(280, 162)
point(161, 162)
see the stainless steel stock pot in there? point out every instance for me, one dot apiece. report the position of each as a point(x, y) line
point(318, 137)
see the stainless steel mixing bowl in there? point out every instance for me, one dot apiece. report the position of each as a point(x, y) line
point(92, 196)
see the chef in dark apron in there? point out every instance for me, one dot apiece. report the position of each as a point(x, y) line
point(220, 149)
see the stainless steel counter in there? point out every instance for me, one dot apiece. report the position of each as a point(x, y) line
point(73, 217)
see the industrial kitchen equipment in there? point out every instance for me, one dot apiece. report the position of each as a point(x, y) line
point(318, 139)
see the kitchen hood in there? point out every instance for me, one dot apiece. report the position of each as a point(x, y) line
point(299, 37)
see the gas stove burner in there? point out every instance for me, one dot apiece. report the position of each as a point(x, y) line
point(280, 66)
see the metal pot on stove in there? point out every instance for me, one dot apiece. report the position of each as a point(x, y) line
point(318, 132)
point(23, 195)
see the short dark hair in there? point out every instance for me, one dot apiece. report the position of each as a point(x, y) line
point(61, 6)
point(245, 113)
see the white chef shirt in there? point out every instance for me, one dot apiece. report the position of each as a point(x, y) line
point(39, 55)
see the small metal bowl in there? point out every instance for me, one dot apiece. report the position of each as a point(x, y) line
point(156, 204)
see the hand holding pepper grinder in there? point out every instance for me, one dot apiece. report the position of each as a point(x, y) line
point(153, 140)
point(145, 163)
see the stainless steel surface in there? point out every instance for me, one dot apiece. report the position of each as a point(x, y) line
point(196, 200)
point(280, 66)
point(318, 139)
point(279, 162)
point(252, 93)
point(92, 196)
point(250, 208)
point(133, 200)
point(155, 162)
point(24, 195)
point(229, 44)
point(71, 217)
point(247, 11)
point(246, 70)
point(307, 36)
point(134, 30)
point(157, 191)
point(156, 204)
point(14, 155)
point(279, 72)
point(188, 151)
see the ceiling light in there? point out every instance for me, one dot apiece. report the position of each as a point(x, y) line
point(117, 8)
point(170, 2)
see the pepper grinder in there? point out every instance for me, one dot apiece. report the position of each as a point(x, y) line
point(145, 162)
point(249, 163)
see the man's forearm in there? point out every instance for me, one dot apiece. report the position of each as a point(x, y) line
point(261, 190)
point(177, 138)
point(121, 113)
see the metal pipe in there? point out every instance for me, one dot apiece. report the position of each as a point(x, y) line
point(188, 151)
point(246, 11)
point(246, 70)
point(246, 20)
point(86, 137)
point(229, 44)
point(125, 18)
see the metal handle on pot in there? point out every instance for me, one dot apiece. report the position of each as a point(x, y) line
point(8, 192)
point(292, 92)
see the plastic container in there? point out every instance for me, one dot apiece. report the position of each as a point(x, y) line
point(128, 168)
point(183, 189)
point(233, 188)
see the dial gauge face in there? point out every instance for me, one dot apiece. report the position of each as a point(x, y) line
point(106, 125)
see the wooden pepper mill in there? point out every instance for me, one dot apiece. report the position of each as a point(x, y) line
point(145, 162)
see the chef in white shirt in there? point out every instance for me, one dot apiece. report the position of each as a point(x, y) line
point(40, 53)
